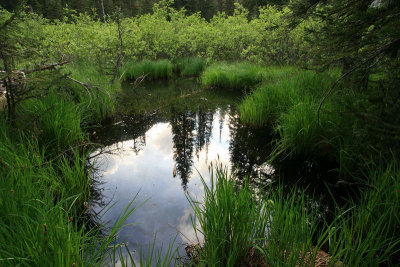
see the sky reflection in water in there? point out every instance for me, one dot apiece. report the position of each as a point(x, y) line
point(161, 154)
point(183, 147)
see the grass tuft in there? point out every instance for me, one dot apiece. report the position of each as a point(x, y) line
point(265, 104)
point(368, 233)
point(190, 67)
point(152, 70)
point(239, 76)
point(231, 220)
point(241, 228)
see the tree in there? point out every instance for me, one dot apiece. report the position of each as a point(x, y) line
point(229, 6)
point(192, 6)
point(207, 9)
point(362, 37)
point(352, 31)
point(17, 47)
point(183, 126)
point(145, 6)
point(52, 9)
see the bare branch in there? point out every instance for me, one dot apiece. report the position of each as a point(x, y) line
point(47, 67)
point(139, 80)
point(84, 85)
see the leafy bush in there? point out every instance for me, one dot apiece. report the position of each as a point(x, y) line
point(223, 38)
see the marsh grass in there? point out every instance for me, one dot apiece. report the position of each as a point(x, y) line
point(241, 228)
point(151, 70)
point(285, 228)
point(190, 67)
point(55, 121)
point(266, 103)
point(150, 257)
point(367, 234)
point(231, 221)
point(34, 228)
point(98, 102)
point(289, 104)
point(45, 183)
point(43, 208)
point(44, 190)
point(301, 134)
point(238, 76)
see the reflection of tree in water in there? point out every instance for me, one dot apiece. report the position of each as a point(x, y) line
point(204, 121)
point(183, 125)
point(249, 147)
point(128, 128)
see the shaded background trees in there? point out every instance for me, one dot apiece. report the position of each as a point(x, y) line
point(360, 37)
point(53, 9)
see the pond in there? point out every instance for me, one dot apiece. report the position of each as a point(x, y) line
point(168, 135)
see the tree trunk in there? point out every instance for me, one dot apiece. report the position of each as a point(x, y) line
point(102, 9)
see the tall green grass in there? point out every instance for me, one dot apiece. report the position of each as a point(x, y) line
point(45, 184)
point(152, 70)
point(190, 67)
point(231, 220)
point(301, 134)
point(265, 104)
point(39, 219)
point(368, 234)
point(290, 105)
point(239, 76)
point(241, 228)
point(44, 209)
point(98, 100)
point(55, 121)
point(278, 227)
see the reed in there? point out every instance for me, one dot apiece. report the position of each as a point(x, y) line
point(231, 221)
point(45, 183)
point(98, 100)
point(367, 234)
point(55, 121)
point(265, 104)
point(190, 67)
point(242, 228)
point(238, 76)
point(151, 70)
point(301, 134)
point(281, 227)
point(34, 228)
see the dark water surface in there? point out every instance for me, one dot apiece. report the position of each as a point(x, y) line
point(167, 137)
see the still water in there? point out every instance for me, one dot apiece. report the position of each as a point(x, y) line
point(158, 154)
